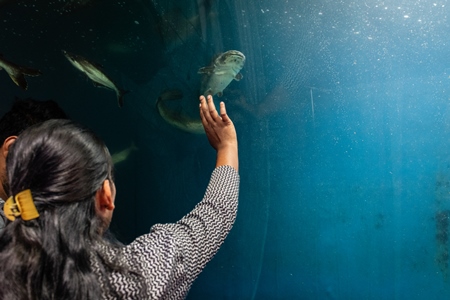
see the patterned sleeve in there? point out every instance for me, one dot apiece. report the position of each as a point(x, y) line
point(171, 256)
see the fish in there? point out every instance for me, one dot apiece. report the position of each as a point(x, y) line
point(123, 155)
point(221, 72)
point(177, 118)
point(96, 74)
point(17, 73)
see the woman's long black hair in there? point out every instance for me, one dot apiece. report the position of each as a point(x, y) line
point(51, 257)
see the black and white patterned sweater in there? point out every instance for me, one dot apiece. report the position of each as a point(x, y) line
point(171, 256)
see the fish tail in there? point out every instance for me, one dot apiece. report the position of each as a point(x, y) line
point(120, 97)
point(19, 80)
point(19, 76)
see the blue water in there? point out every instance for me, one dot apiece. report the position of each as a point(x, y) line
point(343, 124)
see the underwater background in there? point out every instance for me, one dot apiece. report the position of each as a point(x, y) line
point(342, 118)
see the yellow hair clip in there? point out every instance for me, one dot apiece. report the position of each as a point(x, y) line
point(21, 205)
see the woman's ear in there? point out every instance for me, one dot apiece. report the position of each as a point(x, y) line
point(7, 143)
point(104, 204)
point(104, 198)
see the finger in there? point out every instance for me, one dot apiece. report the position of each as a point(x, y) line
point(204, 107)
point(212, 109)
point(223, 112)
point(202, 102)
point(202, 115)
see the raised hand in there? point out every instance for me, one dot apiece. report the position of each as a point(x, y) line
point(220, 131)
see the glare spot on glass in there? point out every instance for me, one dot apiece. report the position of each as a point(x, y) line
point(406, 16)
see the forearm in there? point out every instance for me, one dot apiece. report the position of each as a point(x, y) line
point(228, 156)
point(171, 256)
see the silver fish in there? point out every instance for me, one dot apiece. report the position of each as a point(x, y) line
point(219, 75)
point(96, 74)
point(123, 155)
point(177, 118)
point(17, 73)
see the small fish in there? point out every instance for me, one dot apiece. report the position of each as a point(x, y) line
point(219, 75)
point(177, 118)
point(17, 73)
point(96, 74)
point(123, 155)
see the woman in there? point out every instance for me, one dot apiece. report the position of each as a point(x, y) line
point(54, 247)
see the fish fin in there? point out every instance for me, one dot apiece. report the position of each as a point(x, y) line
point(206, 70)
point(238, 76)
point(208, 92)
point(99, 85)
point(219, 94)
point(20, 80)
